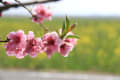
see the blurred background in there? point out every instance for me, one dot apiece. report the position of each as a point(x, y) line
point(97, 51)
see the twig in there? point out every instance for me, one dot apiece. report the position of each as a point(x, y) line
point(6, 7)
point(24, 7)
point(4, 40)
point(15, 5)
point(44, 27)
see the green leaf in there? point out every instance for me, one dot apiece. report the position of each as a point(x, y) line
point(63, 27)
point(66, 26)
point(67, 22)
point(73, 36)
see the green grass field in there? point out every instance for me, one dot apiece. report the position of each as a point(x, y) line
point(98, 48)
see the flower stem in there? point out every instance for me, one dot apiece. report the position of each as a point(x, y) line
point(44, 27)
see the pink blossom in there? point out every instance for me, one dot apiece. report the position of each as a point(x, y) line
point(65, 49)
point(16, 44)
point(37, 20)
point(67, 45)
point(72, 41)
point(51, 43)
point(41, 13)
point(33, 46)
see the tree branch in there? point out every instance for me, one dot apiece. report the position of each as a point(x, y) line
point(15, 5)
point(4, 41)
point(7, 40)
point(24, 7)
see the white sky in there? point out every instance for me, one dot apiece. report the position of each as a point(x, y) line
point(79, 7)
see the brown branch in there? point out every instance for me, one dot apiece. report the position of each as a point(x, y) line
point(15, 5)
point(44, 27)
point(24, 7)
point(4, 40)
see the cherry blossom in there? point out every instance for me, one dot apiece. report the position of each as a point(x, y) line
point(67, 44)
point(41, 13)
point(71, 41)
point(34, 45)
point(65, 48)
point(51, 43)
point(16, 44)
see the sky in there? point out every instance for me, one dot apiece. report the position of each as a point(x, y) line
point(77, 8)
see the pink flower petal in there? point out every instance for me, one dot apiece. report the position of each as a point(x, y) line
point(16, 44)
point(51, 43)
point(41, 13)
point(65, 49)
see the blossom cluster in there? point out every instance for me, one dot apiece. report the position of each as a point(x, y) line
point(21, 45)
